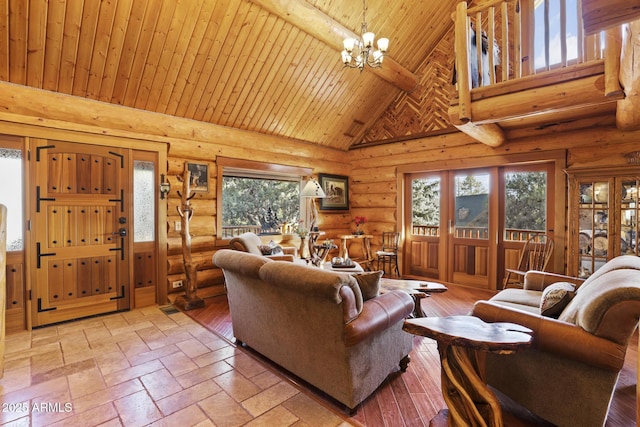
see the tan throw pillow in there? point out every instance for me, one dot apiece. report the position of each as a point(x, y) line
point(369, 283)
point(555, 298)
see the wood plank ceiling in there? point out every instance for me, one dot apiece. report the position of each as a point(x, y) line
point(269, 66)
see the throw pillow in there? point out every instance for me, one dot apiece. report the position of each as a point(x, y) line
point(555, 298)
point(369, 283)
point(271, 249)
point(276, 248)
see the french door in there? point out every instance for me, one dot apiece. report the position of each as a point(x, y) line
point(466, 226)
point(80, 230)
point(448, 226)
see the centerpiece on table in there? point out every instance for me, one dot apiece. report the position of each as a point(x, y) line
point(359, 220)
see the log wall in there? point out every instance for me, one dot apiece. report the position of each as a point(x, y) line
point(25, 111)
point(373, 170)
point(375, 175)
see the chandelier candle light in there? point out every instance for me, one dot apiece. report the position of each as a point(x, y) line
point(358, 52)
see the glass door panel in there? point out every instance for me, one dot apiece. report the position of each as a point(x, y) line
point(593, 218)
point(629, 217)
point(526, 209)
point(471, 219)
point(425, 230)
point(470, 228)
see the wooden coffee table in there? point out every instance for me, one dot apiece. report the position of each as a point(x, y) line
point(418, 289)
point(460, 338)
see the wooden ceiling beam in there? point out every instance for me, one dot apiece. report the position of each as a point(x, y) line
point(324, 28)
point(599, 15)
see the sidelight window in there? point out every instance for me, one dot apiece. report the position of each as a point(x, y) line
point(144, 205)
point(11, 196)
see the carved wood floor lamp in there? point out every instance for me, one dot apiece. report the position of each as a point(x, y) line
point(190, 299)
point(311, 191)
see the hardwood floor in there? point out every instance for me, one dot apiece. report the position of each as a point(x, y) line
point(414, 398)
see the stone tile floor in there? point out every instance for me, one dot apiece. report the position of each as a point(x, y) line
point(153, 366)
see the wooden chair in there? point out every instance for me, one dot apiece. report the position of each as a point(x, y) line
point(535, 255)
point(389, 252)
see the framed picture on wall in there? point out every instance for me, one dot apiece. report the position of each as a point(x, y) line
point(199, 176)
point(336, 188)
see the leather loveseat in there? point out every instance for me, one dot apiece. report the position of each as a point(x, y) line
point(569, 376)
point(315, 324)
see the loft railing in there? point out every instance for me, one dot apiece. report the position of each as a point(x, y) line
point(506, 51)
point(510, 234)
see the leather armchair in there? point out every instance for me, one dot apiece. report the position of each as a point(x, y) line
point(569, 377)
point(251, 242)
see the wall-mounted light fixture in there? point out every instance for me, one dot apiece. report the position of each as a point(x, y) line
point(165, 186)
point(633, 158)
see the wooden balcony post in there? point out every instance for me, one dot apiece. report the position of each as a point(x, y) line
point(612, 52)
point(628, 110)
point(462, 62)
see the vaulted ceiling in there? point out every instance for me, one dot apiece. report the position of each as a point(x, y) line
point(269, 66)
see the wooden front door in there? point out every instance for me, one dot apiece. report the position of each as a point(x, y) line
point(80, 229)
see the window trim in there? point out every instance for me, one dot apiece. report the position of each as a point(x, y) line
point(253, 168)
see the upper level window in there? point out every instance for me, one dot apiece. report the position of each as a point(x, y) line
point(557, 33)
point(259, 197)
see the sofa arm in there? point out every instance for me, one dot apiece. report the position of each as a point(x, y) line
point(377, 315)
point(284, 257)
point(557, 337)
point(538, 280)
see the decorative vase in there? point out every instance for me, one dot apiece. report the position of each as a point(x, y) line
point(303, 251)
point(358, 231)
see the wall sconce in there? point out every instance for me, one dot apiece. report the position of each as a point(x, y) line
point(633, 158)
point(165, 186)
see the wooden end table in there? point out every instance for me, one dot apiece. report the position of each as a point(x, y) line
point(461, 339)
point(418, 289)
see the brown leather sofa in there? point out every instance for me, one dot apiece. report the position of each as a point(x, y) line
point(569, 377)
point(251, 242)
point(315, 324)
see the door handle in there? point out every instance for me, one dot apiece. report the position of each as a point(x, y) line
point(122, 232)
